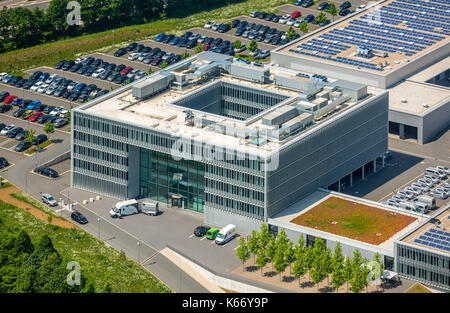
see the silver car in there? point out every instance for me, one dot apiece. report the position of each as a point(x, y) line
point(416, 191)
point(444, 168)
point(439, 195)
point(421, 186)
point(433, 178)
point(426, 181)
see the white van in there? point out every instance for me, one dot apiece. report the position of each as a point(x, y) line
point(226, 234)
point(436, 172)
point(123, 208)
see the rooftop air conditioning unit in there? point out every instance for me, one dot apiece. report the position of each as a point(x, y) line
point(403, 100)
point(425, 105)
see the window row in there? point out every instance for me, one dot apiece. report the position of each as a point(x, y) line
point(236, 190)
point(424, 257)
point(424, 274)
point(236, 175)
point(251, 95)
point(105, 142)
point(101, 155)
point(96, 168)
point(241, 207)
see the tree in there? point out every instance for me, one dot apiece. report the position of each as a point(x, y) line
point(253, 243)
point(309, 258)
point(253, 45)
point(23, 244)
point(185, 55)
point(199, 48)
point(271, 248)
point(303, 27)
point(279, 262)
point(150, 71)
point(289, 254)
point(237, 44)
point(29, 137)
point(327, 263)
point(359, 278)
point(290, 34)
point(164, 65)
point(261, 259)
point(318, 268)
point(69, 113)
point(299, 266)
point(243, 253)
point(347, 270)
point(337, 276)
point(321, 17)
point(377, 268)
point(332, 10)
point(264, 236)
point(49, 128)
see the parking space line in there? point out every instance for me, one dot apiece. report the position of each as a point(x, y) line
point(192, 235)
point(236, 248)
point(402, 186)
point(6, 168)
point(212, 241)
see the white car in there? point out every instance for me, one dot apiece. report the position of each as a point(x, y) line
point(51, 78)
point(133, 56)
point(406, 193)
point(7, 129)
point(50, 90)
point(36, 86)
point(297, 23)
point(421, 186)
point(415, 190)
point(209, 24)
point(433, 178)
point(79, 60)
point(42, 88)
point(290, 21)
point(58, 111)
point(132, 73)
point(143, 56)
point(98, 72)
point(441, 167)
point(3, 75)
point(426, 181)
point(284, 19)
point(72, 85)
point(361, 7)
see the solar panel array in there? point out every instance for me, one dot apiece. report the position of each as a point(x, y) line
point(435, 238)
point(427, 22)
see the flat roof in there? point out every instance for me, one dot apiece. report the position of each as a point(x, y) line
point(431, 71)
point(160, 111)
point(404, 29)
point(350, 217)
point(431, 236)
point(416, 95)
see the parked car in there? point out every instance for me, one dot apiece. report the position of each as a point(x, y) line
point(9, 99)
point(48, 199)
point(211, 234)
point(39, 139)
point(47, 171)
point(345, 5)
point(201, 231)
point(35, 116)
point(78, 217)
point(5, 108)
point(26, 115)
point(14, 132)
point(209, 24)
point(439, 195)
point(22, 146)
point(60, 122)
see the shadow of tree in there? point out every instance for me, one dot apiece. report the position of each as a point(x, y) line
point(307, 284)
point(288, 279)
point(327, 289)
point(251, 268)
point(270, 274)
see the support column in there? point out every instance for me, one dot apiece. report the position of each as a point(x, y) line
point(351, 179)
point(401, 131)
point(382, 160)
point(362, 172)
point(339, 185)
point(375, 165)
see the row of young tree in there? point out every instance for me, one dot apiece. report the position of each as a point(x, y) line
point(21, 27)
point(26, 268)
point(317, 260)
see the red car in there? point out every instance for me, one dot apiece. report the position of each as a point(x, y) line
point(35, 116)
point(9, 99)
point(207, 47)
point(126, 70)
point(296, 14)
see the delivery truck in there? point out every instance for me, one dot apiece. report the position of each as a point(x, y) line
point(226, 234)
point(132, 206)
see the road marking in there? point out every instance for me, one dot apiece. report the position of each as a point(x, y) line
point(212, 241)
point(419, 155)
point(203, 238)
point(225, 244)
point(236, 248)
point(191, 236)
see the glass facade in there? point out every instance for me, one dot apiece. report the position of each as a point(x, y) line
point(177, 183)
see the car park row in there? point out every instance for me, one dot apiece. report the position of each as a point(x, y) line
point(420, 195)
point(147, 55)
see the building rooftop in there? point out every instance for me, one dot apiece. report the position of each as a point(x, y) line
point(380, 38)
point(434, 234)
point(350, 217)
point(431, 71)
point(416, 98)
point(247, 107)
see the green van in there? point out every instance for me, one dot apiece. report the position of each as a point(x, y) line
point(212, 233)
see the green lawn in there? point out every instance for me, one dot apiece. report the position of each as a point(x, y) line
point(418, 288)
point(41, 146)
point(16, 62)
point(99, 263)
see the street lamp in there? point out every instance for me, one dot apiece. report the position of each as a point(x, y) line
point(98, 220)
point(139, 251)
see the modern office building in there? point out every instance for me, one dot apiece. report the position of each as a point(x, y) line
point(236, 142)
point(423, 253)
point(402, 46)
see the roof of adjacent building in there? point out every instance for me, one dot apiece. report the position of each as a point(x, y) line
point(433, 234)
point(404, 29)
